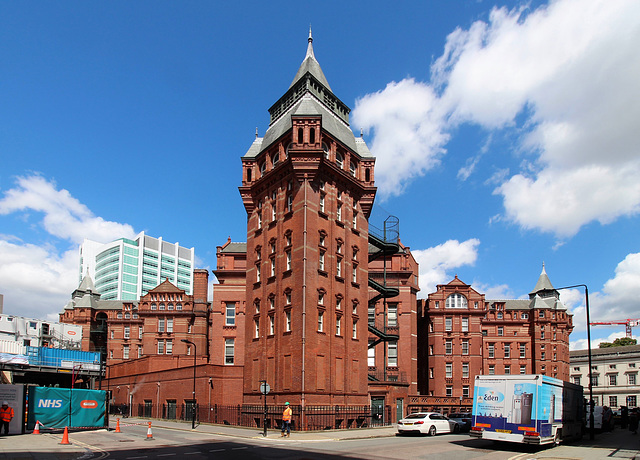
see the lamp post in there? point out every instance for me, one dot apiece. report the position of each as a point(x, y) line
point(195, 352)
point(591, 404)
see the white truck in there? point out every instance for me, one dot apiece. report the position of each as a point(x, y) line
point(529, 409)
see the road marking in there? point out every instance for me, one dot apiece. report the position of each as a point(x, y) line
point(165, 455)
point(217, 450)
point(239, 448)
point(192, 453)
point(133, 458)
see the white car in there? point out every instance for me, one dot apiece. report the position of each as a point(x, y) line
point(429, 423)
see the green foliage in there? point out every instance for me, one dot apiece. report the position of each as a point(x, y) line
point(619, 342)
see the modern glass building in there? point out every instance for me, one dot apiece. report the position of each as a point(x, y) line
point(127, 269)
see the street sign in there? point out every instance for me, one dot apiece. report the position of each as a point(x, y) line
point(265, 388)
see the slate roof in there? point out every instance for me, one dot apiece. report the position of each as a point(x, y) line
point(235, 248)
point(310, 104)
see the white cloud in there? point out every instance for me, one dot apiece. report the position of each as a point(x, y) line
point(409, 135)
point(437, 262)
point(37, 279)
point(616, 302)
point(64, 216)
point(562, 78)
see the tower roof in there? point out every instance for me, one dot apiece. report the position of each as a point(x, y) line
point(310, 94)
point(543, 284)
point(310, 65)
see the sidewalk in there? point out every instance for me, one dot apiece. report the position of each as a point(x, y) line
point(618, 444)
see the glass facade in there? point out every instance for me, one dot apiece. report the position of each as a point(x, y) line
point(127, 269)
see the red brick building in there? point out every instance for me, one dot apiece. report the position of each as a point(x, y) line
point(146, 359)
point(308, 189)
point(465, 335)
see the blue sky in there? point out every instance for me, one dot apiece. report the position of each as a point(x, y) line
point(505, 134)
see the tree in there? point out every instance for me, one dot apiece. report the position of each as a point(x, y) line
point(619, 342)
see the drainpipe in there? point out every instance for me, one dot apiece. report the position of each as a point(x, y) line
point(304, 297)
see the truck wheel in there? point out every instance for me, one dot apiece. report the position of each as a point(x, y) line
point(432, 431)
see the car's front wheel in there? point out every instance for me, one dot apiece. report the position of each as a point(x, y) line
point(432, 430)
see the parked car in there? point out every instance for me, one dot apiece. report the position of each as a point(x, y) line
point(429, 423)
point(463, 419)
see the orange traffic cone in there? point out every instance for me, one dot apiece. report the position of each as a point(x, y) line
point(65, 436)
point(36, 429)
point(118, 426)
point(149, 433)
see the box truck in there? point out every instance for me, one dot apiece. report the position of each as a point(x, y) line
point(530, 409)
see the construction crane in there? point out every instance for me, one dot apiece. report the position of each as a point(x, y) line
point(628, 323)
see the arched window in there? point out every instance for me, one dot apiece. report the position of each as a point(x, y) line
point(263, 168)
point(325, 149)
point(339, 159)
point(456, 301)
point(275, 159)
point(352, 169)
point(312, 136)
point(300, 136)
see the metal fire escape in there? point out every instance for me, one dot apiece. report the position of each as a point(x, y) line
point(382, 244)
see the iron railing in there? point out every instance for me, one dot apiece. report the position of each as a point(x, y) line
point(247, 415)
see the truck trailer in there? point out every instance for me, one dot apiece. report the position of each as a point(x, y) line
point(526, 408)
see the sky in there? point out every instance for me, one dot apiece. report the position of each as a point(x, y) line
point(505, 135)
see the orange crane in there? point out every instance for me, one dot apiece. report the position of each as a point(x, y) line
point(628, 323)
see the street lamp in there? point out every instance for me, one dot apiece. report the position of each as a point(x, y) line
point(591, 404)
point(195, 352)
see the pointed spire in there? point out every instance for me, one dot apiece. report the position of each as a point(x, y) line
point(310, 65)
point(256, 132)
point(310, 46)
point(543, 284)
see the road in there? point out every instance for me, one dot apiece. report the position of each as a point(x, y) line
point(168, 444)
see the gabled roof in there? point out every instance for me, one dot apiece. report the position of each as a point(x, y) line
point(166, 286)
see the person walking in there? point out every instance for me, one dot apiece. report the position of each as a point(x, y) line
point(6, 414)
point(607, 418)
point(286, 420)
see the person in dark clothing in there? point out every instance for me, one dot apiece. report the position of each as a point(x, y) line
point(633, 420)
point(624, 416)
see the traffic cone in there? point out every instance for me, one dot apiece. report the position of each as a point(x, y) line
point(36, 429)
point(118, 426)
point(65, 436)
point(149, 433)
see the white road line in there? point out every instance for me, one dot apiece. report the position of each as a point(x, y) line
point(239, 448)
point(217, 450)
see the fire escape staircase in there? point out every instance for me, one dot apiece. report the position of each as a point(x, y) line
point(384, 248)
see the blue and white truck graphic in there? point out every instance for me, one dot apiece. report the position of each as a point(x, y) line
point(531, 409)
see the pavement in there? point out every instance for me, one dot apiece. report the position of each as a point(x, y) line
point(618, 444)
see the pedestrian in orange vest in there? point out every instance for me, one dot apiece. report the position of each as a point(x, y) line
point(6, 414)
point(286, 420)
